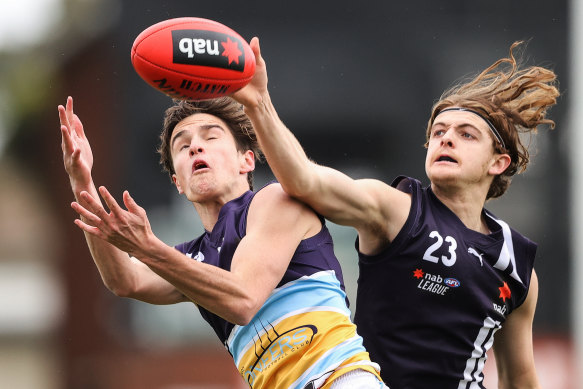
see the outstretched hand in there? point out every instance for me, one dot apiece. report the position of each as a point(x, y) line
point(253, 94)
point(77, 154)
point(128, 230)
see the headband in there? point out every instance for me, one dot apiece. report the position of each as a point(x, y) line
point(492, 128)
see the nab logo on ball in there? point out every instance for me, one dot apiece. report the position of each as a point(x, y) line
point(193, 58)
point(207, 48)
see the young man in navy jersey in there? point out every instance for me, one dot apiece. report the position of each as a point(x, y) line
point(439, 274)
point(263, 274)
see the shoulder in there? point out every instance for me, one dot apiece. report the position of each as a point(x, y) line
point(380, 202)
point(386, 214)
point(519, 245)
point(400, 189)
point(273, 200)
point(272, 195)
point(407, 184)
point(272, 211)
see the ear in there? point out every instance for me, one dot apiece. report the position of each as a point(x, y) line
point(247, 162)
point(500, 164)
point(178, 186)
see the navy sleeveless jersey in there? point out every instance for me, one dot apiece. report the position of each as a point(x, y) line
point(429, 304)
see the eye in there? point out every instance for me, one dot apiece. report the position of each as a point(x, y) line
point(213, 133)
point(437, 132)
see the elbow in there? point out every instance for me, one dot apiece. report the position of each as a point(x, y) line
point(121, 290)
point(241, 320)
point(292, 189)
point(244, 312)
point(298, 189)
point(304, 185)
point(294, 180)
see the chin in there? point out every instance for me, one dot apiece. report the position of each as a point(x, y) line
point(443, 177)
point(201, 191)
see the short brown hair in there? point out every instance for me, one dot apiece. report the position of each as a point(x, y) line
point(514, 100)
point(224, 108)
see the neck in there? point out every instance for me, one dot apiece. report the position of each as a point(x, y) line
point(466, 205)
point(208, 209)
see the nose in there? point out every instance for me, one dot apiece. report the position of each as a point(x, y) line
point(195, 149)
point(447, 138)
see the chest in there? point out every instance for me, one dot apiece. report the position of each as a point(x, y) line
point(217, 248)
point(444, 267)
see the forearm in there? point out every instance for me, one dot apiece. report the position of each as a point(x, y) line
point(119, 273)
point(528, 380)
point(114, 266)
point(283, 152)
point(329, 192)
point(217, 290)
point(128, 277)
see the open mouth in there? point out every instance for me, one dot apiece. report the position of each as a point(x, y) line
point(445, 158)
point(199, 165)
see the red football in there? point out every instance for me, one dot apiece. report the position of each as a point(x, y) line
point(193, 58)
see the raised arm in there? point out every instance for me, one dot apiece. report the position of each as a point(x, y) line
point(119, 272)
point(375, 209)
point(276, 224)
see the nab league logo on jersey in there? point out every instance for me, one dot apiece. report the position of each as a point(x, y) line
point(505, 293)
point(435, 283)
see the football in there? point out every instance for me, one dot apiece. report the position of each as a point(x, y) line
point(193, 58)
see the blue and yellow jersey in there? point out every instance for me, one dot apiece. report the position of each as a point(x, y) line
point(303, 333)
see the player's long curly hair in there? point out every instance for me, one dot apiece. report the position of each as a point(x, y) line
point(224, 108)
point(515, 100)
